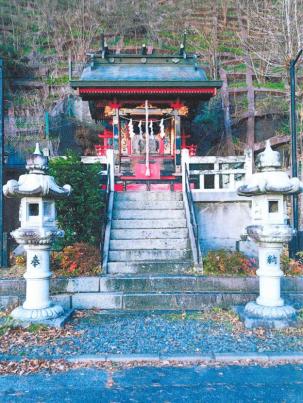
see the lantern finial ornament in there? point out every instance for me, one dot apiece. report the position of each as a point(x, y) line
point(268, 159)
point(37, 232)
point(37, 150)
point(270, 230)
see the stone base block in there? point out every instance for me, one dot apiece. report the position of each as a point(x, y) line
point(279, 317)
point(37, 315)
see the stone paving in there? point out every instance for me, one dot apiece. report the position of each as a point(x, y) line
point(149, 384)
point(158, 333)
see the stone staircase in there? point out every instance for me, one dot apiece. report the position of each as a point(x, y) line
point(149, 292)
point(149, 234)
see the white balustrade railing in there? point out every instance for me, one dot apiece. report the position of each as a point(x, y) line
point(107, 160)
point(217, 174)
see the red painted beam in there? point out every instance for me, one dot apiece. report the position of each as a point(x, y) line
point(210, 91)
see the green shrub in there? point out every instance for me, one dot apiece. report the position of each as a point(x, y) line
point(80, 214)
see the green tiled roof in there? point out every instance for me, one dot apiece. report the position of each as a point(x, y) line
point(149, 71)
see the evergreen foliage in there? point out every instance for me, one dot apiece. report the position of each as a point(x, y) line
point(80, 214)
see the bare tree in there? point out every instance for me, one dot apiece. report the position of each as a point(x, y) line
point(274, 33)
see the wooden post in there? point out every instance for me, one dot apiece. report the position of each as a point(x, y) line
point(177, 120)
point(116, 145)
point(147, 173)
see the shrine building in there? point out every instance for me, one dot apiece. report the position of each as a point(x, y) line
point(164, 202)
point(144, 95)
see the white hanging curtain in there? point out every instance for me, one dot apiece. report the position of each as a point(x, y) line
point(162, 131)
point(140, 130)
point(131, 129)
point(151, 128)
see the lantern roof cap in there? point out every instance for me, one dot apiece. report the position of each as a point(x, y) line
point(269, 178)
point(268, 159)
point(37, 162)
point(36, 183)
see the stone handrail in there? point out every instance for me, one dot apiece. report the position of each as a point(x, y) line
point(221, 174)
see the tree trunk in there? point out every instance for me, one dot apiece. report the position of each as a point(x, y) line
point(250, 135)
point(226, 110)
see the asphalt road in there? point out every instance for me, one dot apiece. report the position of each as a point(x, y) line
point(166, 384)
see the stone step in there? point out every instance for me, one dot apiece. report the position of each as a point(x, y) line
point(157, 282)
point(147, 214)
point(149, 255)
point(170, 233)
point(146, 267)
point(182, 301)
point(150, 205)
point(168, 284)
point(145, 244)
point(158, 301)
point(152, 224)
point(148, 196)
point(175, 283)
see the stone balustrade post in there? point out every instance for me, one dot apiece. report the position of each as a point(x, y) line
point(185, 164)
point(111, 167)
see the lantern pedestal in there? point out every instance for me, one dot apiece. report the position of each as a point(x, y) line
point(269, 309)
point(37, 305)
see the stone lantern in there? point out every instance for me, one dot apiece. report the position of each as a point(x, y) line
point(270, 230)
point(38, 230)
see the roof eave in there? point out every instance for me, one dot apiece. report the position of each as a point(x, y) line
point(146, 84)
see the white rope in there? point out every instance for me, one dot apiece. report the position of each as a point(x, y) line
point(138, 121)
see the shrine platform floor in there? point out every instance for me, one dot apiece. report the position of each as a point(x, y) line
point(214, 334)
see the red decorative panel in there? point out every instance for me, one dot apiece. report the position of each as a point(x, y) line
point(178, 187)
point(135, 187)
point(114, 105)
point(119, 187)
point(160, 187)
point(140, 171)
point(177, 105)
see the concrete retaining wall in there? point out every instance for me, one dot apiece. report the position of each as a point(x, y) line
point(222, 221)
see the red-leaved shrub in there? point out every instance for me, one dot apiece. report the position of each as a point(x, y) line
point(79, 259)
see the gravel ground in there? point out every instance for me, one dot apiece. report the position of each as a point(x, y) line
point(93, 332)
